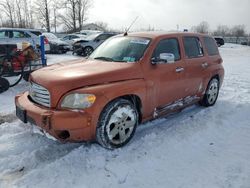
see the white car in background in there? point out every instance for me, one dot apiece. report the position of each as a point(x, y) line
point(12, 36)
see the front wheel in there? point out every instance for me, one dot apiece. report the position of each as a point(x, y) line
point(88, 51)
point(117, 124)
point(211, 94)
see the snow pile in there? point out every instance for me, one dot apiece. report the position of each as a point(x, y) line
point(199, 147)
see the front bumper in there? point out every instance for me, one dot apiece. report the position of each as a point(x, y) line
point(61, 124)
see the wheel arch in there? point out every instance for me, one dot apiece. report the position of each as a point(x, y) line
point(133, 98)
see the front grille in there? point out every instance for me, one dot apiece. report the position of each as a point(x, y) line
point(39, 94)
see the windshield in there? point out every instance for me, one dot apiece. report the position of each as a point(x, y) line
point(121, 49)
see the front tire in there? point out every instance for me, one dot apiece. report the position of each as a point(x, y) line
point(117, 124)
point(88, 51)
point(211, 94)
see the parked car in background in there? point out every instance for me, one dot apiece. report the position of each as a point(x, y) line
point(127, 80)
point(70, 39)
point(57, 46)
point(220, 41)
point(86, 46)
point(12, 36)
point(90, 32)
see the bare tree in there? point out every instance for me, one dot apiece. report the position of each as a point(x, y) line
point(43, 13)
point(203, 27)
point(75, 12)
point(8, 7)
point(102, 25)
point(222, 30)
point(82, 8)
point(238, 31)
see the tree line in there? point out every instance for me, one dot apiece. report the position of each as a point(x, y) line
point(221, 30)
point(48, 14)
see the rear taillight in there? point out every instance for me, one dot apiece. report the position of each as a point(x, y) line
point(46, 41)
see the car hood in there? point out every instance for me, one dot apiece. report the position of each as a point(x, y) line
point(64, 77)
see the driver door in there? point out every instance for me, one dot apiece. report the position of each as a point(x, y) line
point(167, 77)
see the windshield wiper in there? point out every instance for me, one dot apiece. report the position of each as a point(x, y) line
point(104, 58)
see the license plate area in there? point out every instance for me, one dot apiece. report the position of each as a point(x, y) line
point(21, 114)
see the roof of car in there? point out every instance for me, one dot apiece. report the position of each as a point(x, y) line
point(156, 34)
point(20, 29)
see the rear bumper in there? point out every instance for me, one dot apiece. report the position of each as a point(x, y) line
point(63, 125)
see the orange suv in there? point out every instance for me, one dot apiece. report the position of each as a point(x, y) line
point(127, 80)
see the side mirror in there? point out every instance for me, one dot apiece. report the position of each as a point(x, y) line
point(97, 40)
point(163, 58)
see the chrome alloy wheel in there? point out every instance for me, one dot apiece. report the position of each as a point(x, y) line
point(121, 124)
point(212, 91)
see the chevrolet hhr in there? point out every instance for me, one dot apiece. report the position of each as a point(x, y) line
point(129, 79)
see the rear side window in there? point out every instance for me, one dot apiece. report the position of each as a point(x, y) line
point(193, 48)
point(211, 46)
point(168, 46)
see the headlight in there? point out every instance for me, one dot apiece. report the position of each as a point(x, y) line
point(78, 101)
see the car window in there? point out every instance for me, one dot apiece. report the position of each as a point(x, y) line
point(19, 34)
point(74, 37)
point(211, 46)
point(3, 35)
point(168, 46)
point(37, 33)
point(103, 37)
point(66, 37)
point(193, 48)
point(121, 49)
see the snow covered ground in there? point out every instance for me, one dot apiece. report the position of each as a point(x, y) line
point(197, 148)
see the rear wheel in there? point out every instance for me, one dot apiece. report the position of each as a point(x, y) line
point(212, 93)
point(4, 85)
point(117, 124)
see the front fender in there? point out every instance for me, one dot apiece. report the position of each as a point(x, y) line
point(107, 92)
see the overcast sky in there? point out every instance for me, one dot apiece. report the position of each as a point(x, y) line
point(167, 14)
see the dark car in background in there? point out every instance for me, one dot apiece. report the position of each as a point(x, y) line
point(219, 41)
point(70, 39)
point(87, 45)
point(57, 46)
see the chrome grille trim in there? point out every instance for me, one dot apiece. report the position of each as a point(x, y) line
point(39, 94)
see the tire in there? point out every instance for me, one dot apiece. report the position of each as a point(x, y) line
point(117, 124)
point(88, 51)
point(212, 92)
point(26, 76)
point(4, 85)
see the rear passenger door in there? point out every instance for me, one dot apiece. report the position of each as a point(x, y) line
point(196, 64)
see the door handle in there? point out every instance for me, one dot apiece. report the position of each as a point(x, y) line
point(204, 65)
point(179, 69)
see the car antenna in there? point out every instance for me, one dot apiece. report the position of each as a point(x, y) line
point(127, 30)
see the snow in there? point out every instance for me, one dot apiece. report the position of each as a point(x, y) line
point(199, 147)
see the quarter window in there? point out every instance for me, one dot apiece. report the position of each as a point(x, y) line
point(211, 46)
point(168, 46)
point(193, 48)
